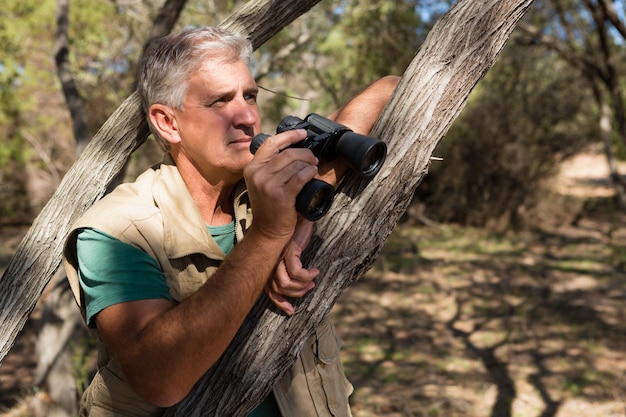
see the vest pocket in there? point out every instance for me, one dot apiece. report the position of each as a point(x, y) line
point(335, 386)
point(109, 395)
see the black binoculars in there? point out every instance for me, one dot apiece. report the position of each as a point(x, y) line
point(328, 140)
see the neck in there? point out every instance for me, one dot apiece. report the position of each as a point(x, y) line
point(215, 204)
point(213, 197)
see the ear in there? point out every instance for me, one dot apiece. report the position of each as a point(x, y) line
point(164, 121)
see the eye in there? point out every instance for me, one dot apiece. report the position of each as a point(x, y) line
point(220, 101)
point(251, 97)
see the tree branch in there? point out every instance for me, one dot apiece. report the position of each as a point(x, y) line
point(611, 14)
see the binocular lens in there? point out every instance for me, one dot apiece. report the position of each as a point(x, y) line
point(365, 154)
point(315, 199)
point(327, 140)
point(373, 159)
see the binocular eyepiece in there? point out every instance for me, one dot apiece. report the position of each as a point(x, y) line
point(328, 140)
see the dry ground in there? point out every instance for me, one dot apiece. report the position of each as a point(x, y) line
point(459, 322)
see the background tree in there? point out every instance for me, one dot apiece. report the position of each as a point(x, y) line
point(581, 33)
point(529, 113)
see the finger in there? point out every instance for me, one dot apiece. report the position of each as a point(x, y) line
point(294, 291)
point(296, 172)
point(293, 283)
point(292, 168)
point(281, 302)
point(277, 143)
point(296, 272)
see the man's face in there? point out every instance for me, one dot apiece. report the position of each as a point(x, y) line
point(219, 118)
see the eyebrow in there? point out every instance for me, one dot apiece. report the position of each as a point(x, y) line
point(250, 90)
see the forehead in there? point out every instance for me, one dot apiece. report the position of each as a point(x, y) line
point(221, 73)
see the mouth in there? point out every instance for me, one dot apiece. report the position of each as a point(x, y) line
point(242, 142)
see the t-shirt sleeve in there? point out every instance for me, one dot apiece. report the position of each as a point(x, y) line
point(113, 272)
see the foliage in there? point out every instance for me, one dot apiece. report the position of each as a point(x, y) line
point(105, 40)
point(583, 34)
point(530, 112)
point(17, 72)
point(336, 50)
point(367, 40)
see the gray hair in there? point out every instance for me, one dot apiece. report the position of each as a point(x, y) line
point(169, 61)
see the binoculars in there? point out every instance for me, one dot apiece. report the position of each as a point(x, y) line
point(328, 140)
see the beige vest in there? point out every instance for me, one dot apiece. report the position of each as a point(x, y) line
point(157, 215)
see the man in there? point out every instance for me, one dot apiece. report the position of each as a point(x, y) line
point(154, 265)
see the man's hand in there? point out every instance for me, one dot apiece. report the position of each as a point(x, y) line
point(291, 279)
point(274, 177)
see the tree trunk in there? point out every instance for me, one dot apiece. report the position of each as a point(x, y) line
point(73, 99)
point(39, 254)
point(459, 50)
point(606, 134)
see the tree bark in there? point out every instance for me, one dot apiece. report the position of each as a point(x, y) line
point(458, 52)
point(39, 254)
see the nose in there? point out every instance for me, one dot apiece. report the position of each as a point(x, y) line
point(246, 114)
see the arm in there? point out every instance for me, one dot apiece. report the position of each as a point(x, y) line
point(165, 348)
point(291, 279)
point(359, 114)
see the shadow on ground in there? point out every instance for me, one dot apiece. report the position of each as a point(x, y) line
point(458, 322)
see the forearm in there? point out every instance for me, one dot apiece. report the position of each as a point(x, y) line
point(174, 349)
point(359, 114)
point(362, 111)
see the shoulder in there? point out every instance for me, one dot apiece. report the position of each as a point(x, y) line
point(125, 206)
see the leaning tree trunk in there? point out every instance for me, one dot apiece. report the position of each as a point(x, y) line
point(459, 50)
point(61, 333)
point(39, 254)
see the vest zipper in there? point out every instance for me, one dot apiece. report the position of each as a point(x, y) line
point(279, 404)
point(236, 205)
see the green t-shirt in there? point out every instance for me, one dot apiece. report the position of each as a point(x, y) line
point(113, 272)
